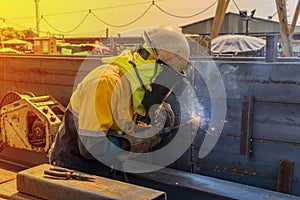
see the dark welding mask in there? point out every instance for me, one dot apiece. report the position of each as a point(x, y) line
point(167, 82)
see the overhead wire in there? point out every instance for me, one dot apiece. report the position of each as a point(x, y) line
point(188, 16)
point(236, 5)
point(115, 25)
point(37, 24)
point(121, 6)
point(123, 25)
point(277, 10)
point(72, 30)
point(104, 8)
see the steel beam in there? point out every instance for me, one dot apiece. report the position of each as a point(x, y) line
point(183, 185)
point(33, 182)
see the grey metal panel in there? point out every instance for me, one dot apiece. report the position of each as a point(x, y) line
point(232, 125)
point(207, 188)
point(274, 121)
point(266, 82)
point(260, 170)
point(275, 125)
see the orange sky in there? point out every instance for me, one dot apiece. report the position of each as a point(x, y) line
point(65, 15)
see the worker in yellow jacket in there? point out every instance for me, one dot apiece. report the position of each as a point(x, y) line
point(116, 101)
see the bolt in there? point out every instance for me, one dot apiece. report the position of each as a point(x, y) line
point(45, 110)
point(52, 119)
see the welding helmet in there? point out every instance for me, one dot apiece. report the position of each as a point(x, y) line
point(171, 51)
point(169, 46)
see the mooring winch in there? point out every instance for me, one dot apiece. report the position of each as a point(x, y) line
point(29, 122)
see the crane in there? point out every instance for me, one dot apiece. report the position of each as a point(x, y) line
point(295, 18)
point(219, 17)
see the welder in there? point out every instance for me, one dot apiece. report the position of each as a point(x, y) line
point(126, 96)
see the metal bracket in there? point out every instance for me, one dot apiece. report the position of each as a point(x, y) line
point(246, 126)
point(285, 176)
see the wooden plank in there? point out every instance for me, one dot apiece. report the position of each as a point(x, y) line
point(295, 18)
point(284, 30)
point(6, 175)
point(219, 17)
point(33, 181)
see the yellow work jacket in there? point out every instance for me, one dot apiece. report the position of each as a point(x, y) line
point(104, 99)
point(146, 70)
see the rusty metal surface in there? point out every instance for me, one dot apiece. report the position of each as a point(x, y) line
point(33, 181)
point(8, 190)
point(285, 176)
point(44, 75)
point(246, 126)
point(206, 187)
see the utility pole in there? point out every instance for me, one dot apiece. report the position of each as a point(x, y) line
point(37, 16)
point(106, 33)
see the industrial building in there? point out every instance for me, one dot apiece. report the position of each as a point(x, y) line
point(234, 24)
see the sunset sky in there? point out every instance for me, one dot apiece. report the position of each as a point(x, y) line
point(65, 16)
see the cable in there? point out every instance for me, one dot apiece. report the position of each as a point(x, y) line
point(124, 5)
point(189, 16)
point(105, 8)
point(75, 28)
point(35, 28)
point(119, 26)
point(98, 33)
point(236, 5)
point(270, 17)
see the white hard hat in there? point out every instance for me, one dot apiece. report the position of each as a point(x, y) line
point(168, 45)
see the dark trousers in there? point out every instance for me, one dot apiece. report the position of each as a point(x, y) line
point(65, 151)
